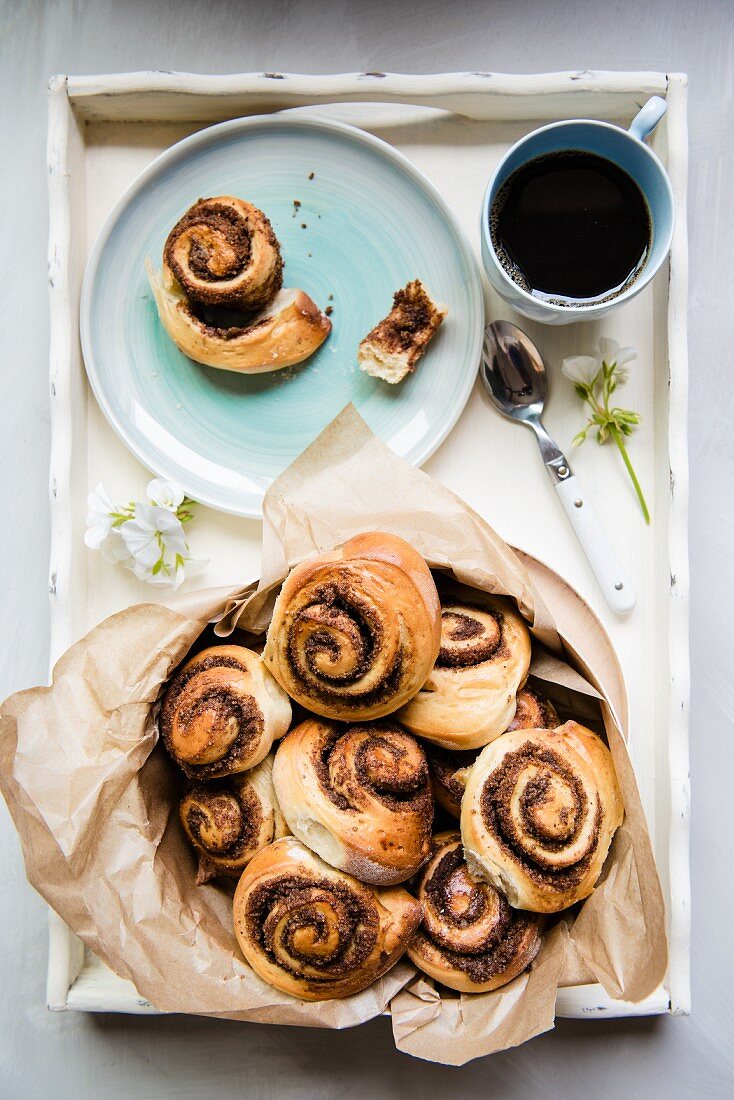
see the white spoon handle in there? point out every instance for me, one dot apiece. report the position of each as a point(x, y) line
point(613, 580)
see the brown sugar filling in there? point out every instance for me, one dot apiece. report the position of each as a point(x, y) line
point(395, 772)
point(438, 888)
point(533, 711)
point(278, 910)
point(225, 705)
point(445, 763)
point(511, 940)
point(498, 819)
point(338, 607)
point(237, 815)
point(227, 224)
point(413, 315)
point(462, 627)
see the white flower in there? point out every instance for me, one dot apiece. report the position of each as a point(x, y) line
point(147, 538)
point(581, 369)
point(611, 353)
point(164, 493)
point(100, 533)
point(155, 539)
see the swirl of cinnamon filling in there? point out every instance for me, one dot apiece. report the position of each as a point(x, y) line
point(470, 938)
point(221, 713)
point(357, 795)
point(223, 252)
point(356, 630)
point(228, 820)
point(469, 697)
point(315, 932)
point(539, 813)
point(450, 767)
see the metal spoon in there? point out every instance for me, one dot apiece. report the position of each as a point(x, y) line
point(515, 378)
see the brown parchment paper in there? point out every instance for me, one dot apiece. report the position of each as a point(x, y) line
point(94, 805)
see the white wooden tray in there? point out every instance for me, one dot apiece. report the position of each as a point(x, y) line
point(104, 129)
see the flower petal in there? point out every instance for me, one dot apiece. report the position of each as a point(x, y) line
point(581, 368)
point(609, 350)
point(97, 532)
point(626, 355)
point(164, 493)
point(99, 501)
point(113, 549)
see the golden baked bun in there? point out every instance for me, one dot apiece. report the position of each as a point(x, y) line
point(221, 713)
point(470, 939)
point(450, 767)
point(315, 932)
point(289, 329)
point(223, 252)
point(469, 697)
point(539, 813)
point(359, 796)
point(356, 630)
point(227, 821)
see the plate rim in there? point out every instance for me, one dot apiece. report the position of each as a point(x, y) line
point(205, 135)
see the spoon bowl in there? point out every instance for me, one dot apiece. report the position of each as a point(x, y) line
point(513, 372)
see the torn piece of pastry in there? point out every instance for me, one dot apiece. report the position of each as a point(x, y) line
point(394, 346)
point(287, 331)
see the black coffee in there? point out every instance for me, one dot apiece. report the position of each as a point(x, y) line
point(571, 228)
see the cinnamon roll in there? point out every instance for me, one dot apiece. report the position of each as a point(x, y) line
point(469, 697)
point(315, 932)
point(227, 821)
point(356, 630)
point(221, 713)
point(470, 938)
point(539, 813)
point(223, 252)
point(357, 795)
point(450, 767)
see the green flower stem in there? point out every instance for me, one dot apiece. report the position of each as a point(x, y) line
point(631, 470)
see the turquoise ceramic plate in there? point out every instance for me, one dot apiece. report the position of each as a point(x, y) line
point(368, 222)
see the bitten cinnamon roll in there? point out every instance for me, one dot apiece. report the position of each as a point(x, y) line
point(227, 821)
point(355, 631)
point(223, 252)
point(357, 795)
point(450, 767)
point(221, 713)
point(470, 938)
point(219, 295)
point(539, 813)
point(315, 932)
point(469, 697)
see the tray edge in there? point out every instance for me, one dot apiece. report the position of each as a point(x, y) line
point(66, 953)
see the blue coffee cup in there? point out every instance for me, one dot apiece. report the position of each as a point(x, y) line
point(627, 149)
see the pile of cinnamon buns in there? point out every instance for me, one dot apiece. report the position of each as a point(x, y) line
point(393, 705)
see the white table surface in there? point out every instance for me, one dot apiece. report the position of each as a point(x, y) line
point(76, 1056)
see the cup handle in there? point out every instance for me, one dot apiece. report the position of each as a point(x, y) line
point(647, 119)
